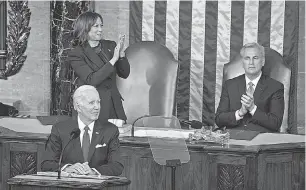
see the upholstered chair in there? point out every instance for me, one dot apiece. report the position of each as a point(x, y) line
point(275, 67)
point(151, 85)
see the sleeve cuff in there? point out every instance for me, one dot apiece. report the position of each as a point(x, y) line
point(65, 166)
point(94, 169)
point(253, 110)
point(237, 116)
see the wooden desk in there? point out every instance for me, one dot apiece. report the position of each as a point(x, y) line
point(268, 162)
point(36, 182)
point(259, 164)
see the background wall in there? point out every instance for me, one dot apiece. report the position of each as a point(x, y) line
point(32, 84)
point(301, 71)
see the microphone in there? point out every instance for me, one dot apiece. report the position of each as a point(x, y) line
point(144, 116)
point(133, 130)
point(75, 133)
point(194, 123)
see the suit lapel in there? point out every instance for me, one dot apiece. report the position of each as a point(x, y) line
point(76, 144)
point(96, 61)
point(97, 136)
point(241, 87)
point(261, 85)
point(105, 50)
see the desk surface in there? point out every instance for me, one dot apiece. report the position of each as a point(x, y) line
point(67, 182)
point(32, 129)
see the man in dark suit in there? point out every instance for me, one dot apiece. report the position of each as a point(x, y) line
point(95, 151)
point(97, 62)
point(251, 101)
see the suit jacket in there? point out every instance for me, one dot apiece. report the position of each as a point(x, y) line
point(94, 69)
point(268, 97)
point(105, 159)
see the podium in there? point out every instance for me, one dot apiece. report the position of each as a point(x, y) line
point(166, 151)
point(39, 182)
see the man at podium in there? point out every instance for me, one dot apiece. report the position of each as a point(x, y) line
point(83, 145)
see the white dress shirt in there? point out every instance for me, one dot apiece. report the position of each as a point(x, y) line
point(90, 131)
point(82, 126)
point(255, 82)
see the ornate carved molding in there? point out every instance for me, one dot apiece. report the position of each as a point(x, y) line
point(17, 40)
point(230, 177)
point(23, 163)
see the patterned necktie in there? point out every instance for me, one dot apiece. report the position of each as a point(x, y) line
point(85, 143)
point(250, 90)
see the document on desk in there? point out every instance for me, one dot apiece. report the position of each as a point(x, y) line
point(72, 175)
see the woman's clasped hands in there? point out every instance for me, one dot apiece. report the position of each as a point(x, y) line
point(119, 50)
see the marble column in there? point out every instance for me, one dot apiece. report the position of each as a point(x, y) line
point(63, 14)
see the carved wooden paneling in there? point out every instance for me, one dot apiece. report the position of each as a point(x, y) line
point(19, 158)
point(298, 171)
point(142, 170)
point(230, 177)
point(227, 171)
point(208, 168)
point(275, 171)
point(23, 163)
point(194, 174)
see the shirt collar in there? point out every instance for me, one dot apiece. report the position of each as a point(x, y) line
point(82, 125)
point(255, 81)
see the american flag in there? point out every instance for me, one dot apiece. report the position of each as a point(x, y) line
point(204, 35)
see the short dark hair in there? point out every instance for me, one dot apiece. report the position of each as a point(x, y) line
point(82, 26)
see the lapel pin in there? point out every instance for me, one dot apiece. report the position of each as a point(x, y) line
point(109, 50)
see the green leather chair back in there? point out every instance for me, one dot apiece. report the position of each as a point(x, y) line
point(150, 88)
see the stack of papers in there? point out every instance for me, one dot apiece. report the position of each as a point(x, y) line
point(65, 174)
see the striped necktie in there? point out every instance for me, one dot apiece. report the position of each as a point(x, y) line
point(250, 90)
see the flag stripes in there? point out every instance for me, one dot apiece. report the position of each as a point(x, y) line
point(291, 35)
point(277, 26)
point(209, 84)
point(135, 29)
point(172, 27)
point(264, 23)
point(237, 20)
point(250, 21)
point(160, 22)
point(204, 35)
point(148, 21)
point(184, 55)
point(223, 45)
point(197, 60)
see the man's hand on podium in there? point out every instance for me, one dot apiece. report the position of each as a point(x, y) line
point(81, 169)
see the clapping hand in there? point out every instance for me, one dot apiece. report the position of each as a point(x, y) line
point(121, 42)
point(248, 101)
point(119, 50)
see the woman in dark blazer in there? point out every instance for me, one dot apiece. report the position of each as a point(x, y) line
point(97, 61)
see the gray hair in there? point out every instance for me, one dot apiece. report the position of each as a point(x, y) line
point(260, 48)
point(80, 93)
